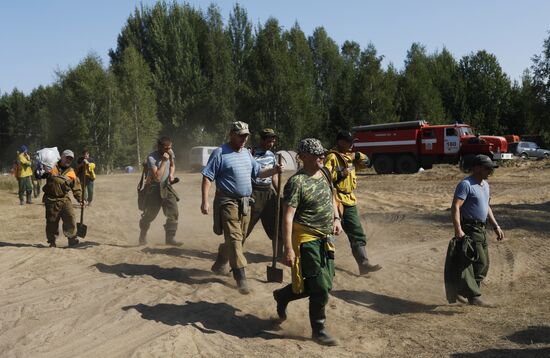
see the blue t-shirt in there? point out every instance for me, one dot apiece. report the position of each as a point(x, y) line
point(232, 170)
point(476, 199)
point(267, 160)
point(155, 160)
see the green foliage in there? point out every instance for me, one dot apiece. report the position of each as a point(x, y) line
point(487, 91)
point(181, 71)
point(420, 99)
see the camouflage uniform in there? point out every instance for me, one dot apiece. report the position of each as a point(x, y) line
point(312, 242)
point(59, 183)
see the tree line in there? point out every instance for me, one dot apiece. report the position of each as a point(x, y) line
point(181, 71)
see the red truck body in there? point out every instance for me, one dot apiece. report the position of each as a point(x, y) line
point(404, 147)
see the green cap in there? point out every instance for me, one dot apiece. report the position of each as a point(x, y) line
point(267, 132)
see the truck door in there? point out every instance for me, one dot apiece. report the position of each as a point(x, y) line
point(451, 141)
point(429, 140)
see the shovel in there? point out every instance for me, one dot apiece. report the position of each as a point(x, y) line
point(275, 274)
point(82, 229)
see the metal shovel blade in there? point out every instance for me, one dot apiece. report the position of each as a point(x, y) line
point(81, 230)
point(274, 274)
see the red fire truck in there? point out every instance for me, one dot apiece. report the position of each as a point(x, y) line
point(404, 147)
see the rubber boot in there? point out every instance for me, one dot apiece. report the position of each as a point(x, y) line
point(143, 237)
point(220, 266)
point(51, 242)
point(360, 255)
point(29, 197)
point(317, 320)
point(283, 296)
point(21, 199)
point(240, 277)
point(73, 241)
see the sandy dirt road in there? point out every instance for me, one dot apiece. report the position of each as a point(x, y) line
point(112, 298)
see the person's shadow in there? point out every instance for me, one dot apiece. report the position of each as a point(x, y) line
point(386, 304)
point(210, 318)
point(188, 276)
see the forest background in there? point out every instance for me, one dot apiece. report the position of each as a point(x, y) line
point(181, 71)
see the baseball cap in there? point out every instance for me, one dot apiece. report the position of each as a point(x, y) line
point(484, 161)
point(23, 149)
point(311, 146)
point(344, 135)
point(239, 127)
point(267, 132)
point(67, 153)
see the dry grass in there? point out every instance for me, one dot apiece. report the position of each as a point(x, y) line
point(8, 183)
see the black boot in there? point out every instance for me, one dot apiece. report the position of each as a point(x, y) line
point(73, 241)
point(143, 237)
point(240, 277)
point(51, 242)
point(220, 266)
point(317, 319)
point(29, 197)
point(283, 296)
point(360, 255)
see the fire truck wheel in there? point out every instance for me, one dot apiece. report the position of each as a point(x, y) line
point(383, 164)
point(406, 164)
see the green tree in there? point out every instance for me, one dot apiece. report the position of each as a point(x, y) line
point(88, 111)
point(327, 63)
point(373, 94)
point(138, 105)
point(487, 91)
point(420, 99)
point(540, 123)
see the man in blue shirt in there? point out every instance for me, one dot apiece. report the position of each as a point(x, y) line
point(160, 194)
point(263, 189)
point(232, 167)
point(470, 210)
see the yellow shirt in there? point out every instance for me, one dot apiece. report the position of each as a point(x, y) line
point(25, 168)
point(335, 163)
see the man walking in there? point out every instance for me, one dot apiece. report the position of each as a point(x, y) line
point(232, 167)
point(59, 182)
point(342, 164)
point(310, 218)
point(263, 189)
point(85, 169)
point(160, 193)
point(470, 210)
point(25, 176)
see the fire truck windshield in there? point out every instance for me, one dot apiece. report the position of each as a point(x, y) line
point(466, 131)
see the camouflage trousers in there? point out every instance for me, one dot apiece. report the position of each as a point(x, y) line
point(59, 209)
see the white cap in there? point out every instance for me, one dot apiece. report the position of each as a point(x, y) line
point(67, 153)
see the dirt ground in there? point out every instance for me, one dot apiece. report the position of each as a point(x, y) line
point(112, 298)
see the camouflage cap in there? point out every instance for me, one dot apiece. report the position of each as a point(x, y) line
point(267, 132)
point(311, 146)
point(239, 127)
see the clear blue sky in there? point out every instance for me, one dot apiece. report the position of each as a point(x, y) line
point(38, 37)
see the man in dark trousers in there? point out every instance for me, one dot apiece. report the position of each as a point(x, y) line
point(160, 194)
point(342, 164)
point(263, 189)
point(470, 211)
